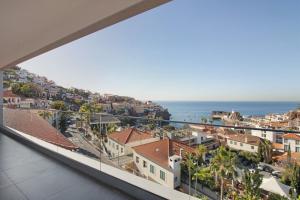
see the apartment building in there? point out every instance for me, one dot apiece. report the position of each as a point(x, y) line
point(160, 161)
point(244, 142)
point(292, 140)
point(121, 143)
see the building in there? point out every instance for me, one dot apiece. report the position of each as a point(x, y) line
point(10, 99)
point(244, 142)
point(121, 143)
point(272, 136)
point(32, 124)
point(292, 140)
point(160, 161)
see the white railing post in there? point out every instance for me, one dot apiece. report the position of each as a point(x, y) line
point(1, 98)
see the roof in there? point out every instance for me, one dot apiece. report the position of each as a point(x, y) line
point(277, 146)
point(159, 151)
point(295, 157)
point(32, 124)
point(273, 185)
point(129, 135)
point(291, 136)
point(245, 138)
point(9, 93)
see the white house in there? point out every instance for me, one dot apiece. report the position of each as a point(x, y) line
point(121, 143)
point(292, 140)
point(244, 142)
point(268, 135)
point(11, 100)
point(160, 161)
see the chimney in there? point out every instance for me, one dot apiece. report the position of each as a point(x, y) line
point(180, 152)
point(246, 139)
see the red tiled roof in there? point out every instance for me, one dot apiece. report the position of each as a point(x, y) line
point(160, 151)
point(291, 136)
point(9, 93)
point(277, 146)
point(245, 138)
point(295, 157)
point(32, 124)
point(129, 135)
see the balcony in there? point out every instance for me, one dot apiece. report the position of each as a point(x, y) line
point(26, 173)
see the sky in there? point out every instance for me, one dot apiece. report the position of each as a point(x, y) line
point(195, 50)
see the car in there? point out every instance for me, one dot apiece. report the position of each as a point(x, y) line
point(268, 169)
point(260, 167)
point(276, 174)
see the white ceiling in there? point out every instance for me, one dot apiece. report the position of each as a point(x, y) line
point(31, 27)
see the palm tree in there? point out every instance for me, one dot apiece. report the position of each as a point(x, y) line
point(265, 151)
point(252, 182)
point(45, 114)
point(191, 165)
point(200, 154)
point(224, 165)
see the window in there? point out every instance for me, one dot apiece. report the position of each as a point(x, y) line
point(235, 143)
point(297, 149)
point(117, 147)
point(152, 169)
point(121, 150)
point(231, 142)
point(113, 144)
point(286, 147)
point(162, 175)
point(241, 144)
point(297, 142)
point(137, 159)
point(252, 147)
point(285, 141)
point(144, 164)
point(109, 143)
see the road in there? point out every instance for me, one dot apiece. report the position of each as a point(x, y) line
point(85, 147)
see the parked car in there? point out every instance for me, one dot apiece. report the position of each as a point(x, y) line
point(276, 174)
point(260, 167)
point(268, 169)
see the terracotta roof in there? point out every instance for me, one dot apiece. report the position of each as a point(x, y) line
point(129, 135)
point(159, 151)
point(32, 124)
point(295, 157)
point(245, 138)
point(9, 93)
point(291, 136)
point(277, 146)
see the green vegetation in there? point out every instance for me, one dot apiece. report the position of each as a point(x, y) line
point(45, 114)
point(90, 108)
point(291, 176)
point(252, 182)
point(265, 151)
point(59, 105)
point(27, 89)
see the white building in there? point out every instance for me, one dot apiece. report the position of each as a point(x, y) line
point(160, 161)
point(272, 136)
point(121, 143)
point(292, 140)
point(10, 99)
point(244, 142)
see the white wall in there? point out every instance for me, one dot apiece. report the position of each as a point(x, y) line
point(268, 135)
point(242, 146)
point(169, 176)
point(295, 146)
point(150, 186)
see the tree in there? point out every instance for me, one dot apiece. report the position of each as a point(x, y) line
point(45, 114)
point(265, 151)
point(90, 108)
point(203, 120)
point(200, 154)
point(111, 128)
point(224, 166)
point(191, 166)
point(252, 182)
point(289, 155)
point(59, 105)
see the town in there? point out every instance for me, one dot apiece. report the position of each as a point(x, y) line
point(258, 157)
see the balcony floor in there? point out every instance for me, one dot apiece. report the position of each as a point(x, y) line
point(27, 174)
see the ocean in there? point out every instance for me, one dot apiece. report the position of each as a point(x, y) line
point(192, 111)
